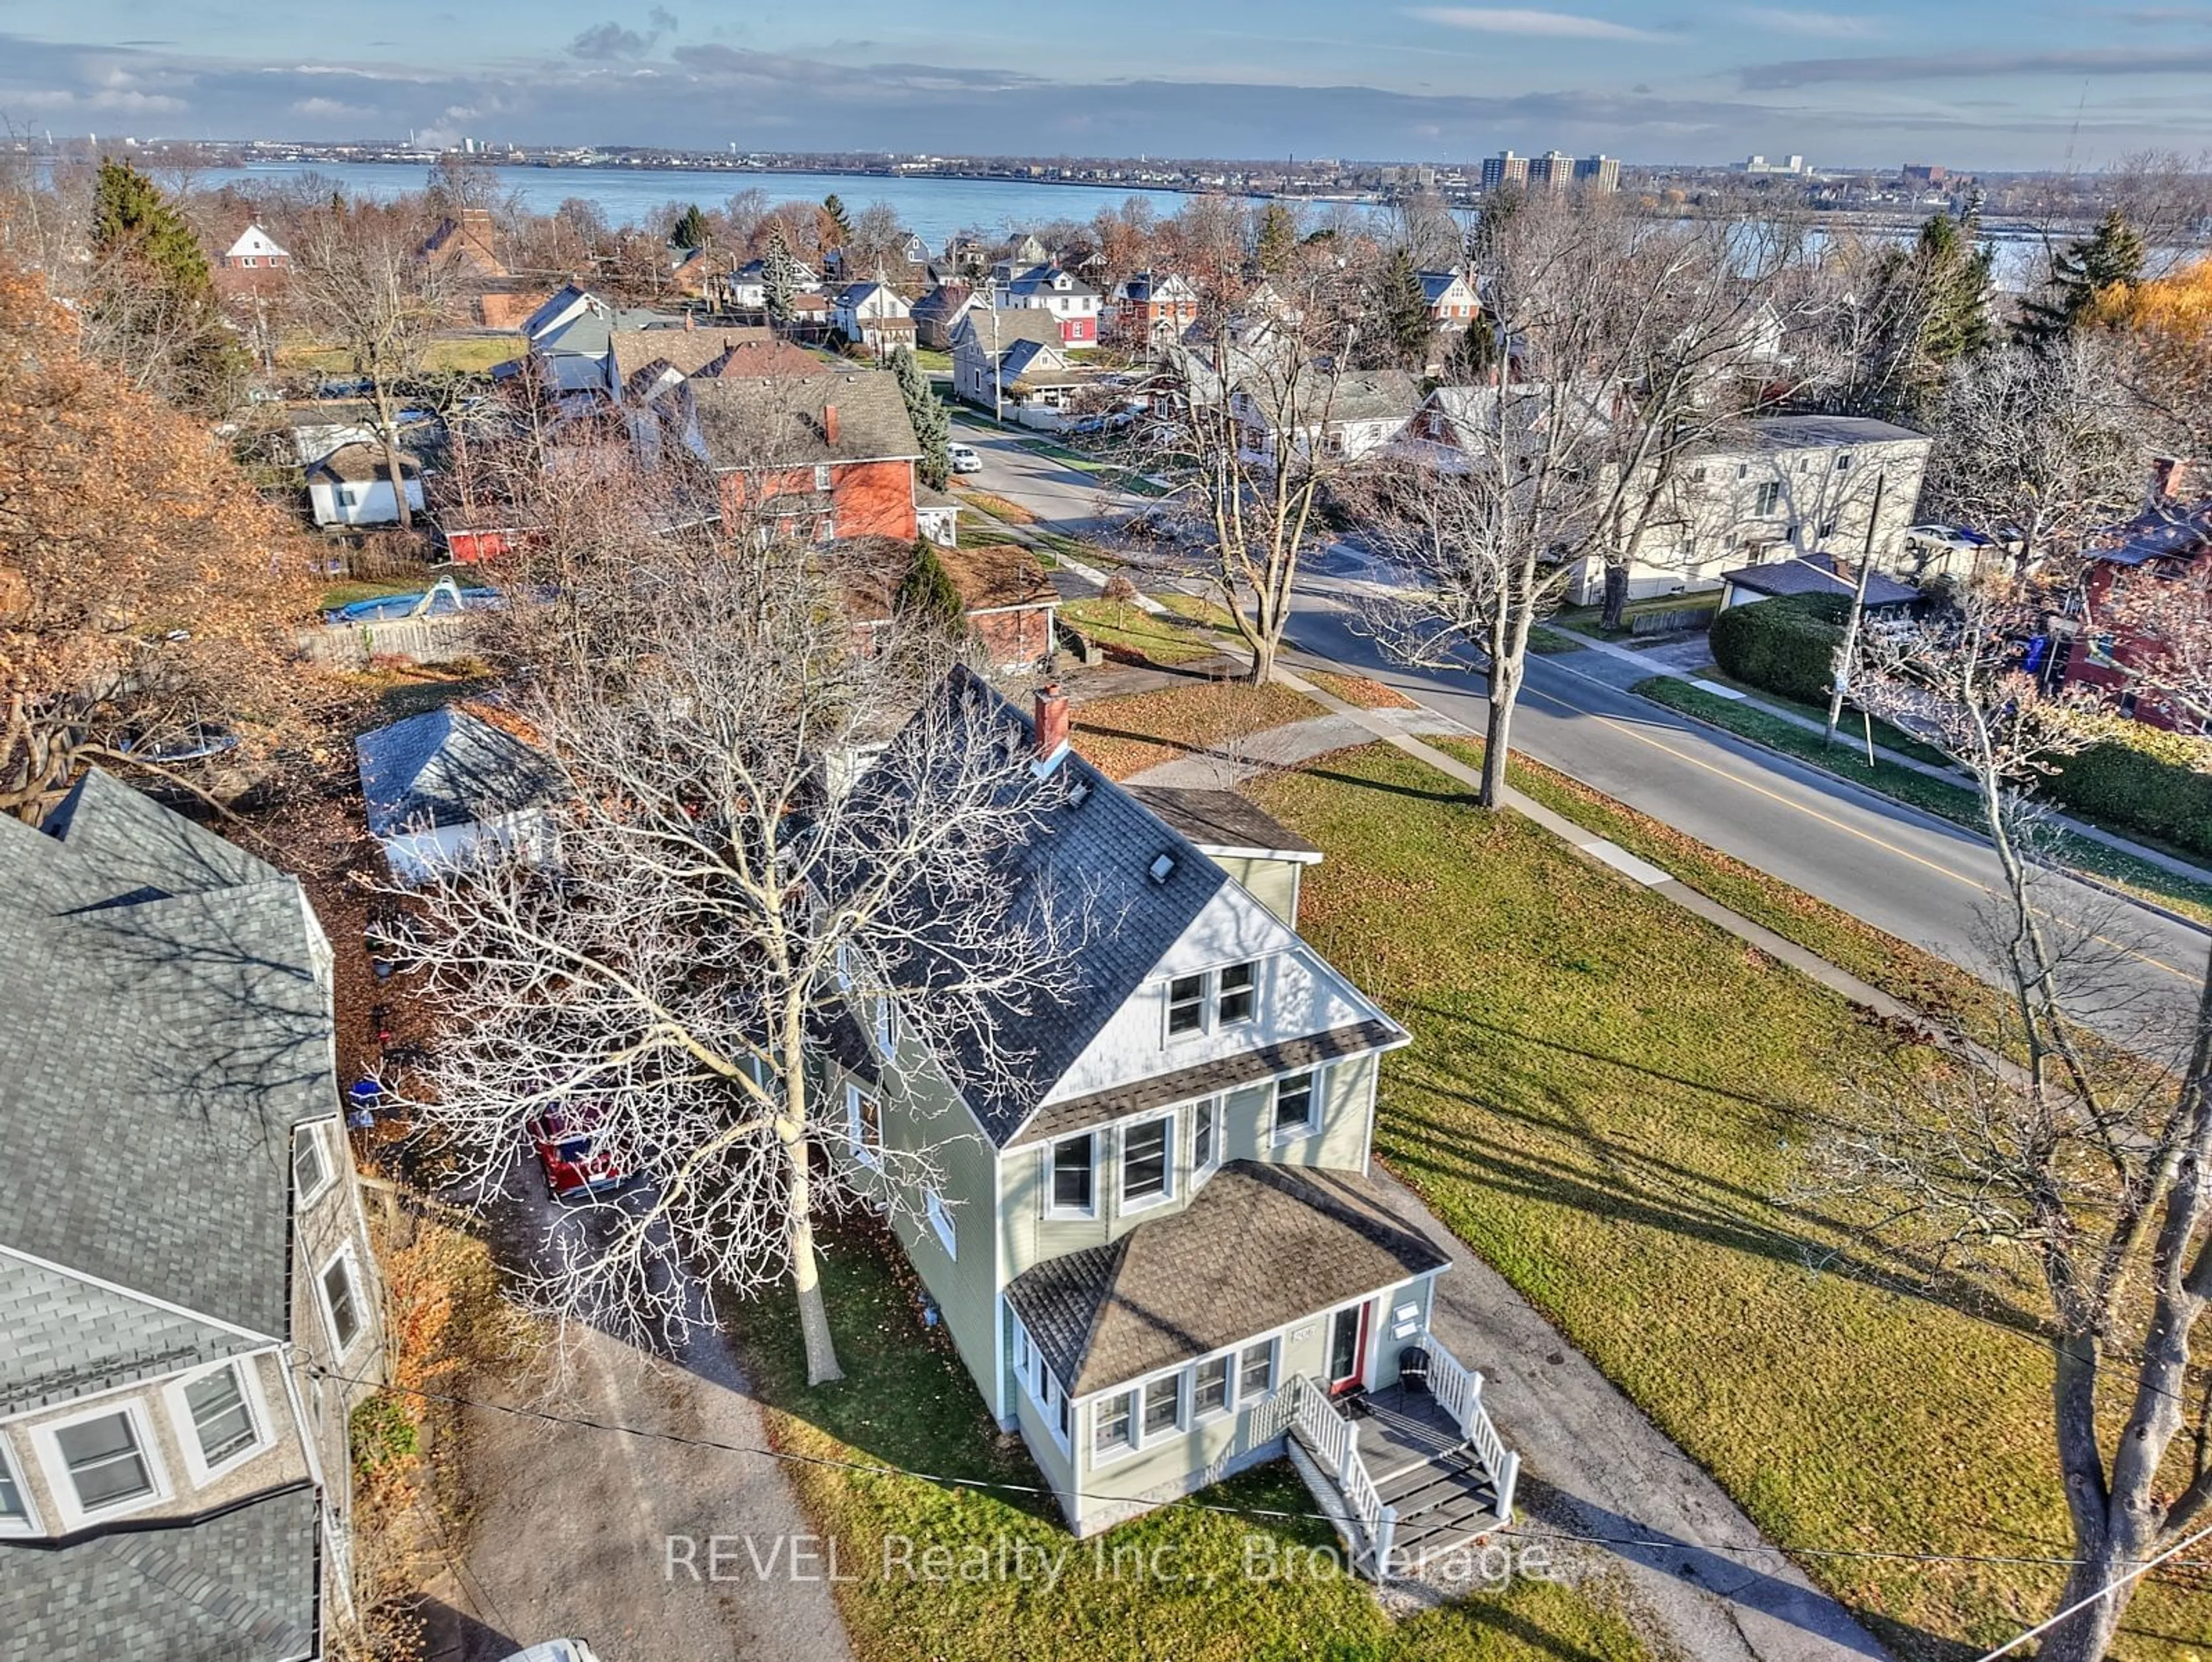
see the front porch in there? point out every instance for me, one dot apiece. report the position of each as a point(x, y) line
point(1407, 1472)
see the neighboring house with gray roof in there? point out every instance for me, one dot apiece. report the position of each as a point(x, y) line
point(1013, 361)
point(440, 785)
point(1347, 417)
point(188, 1310)
point(1148, 1223)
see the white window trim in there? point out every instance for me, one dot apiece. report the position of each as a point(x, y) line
point(942, 1223)
point(1121, 1451)
point(1172, 1162)
point(28, 1524)
point(63, 1486)
point(1181, 1376)
point(884, 1027)
point(1199, 1172)
point(1273, 1342)
point(344, 1255)
point(1049, 1159)
point(870, 1155)
point(1029, 1361)
point(311, 1132)
point(1317, 1103)
point(1214, 988)
point(257, 1411)
point(1168, 1035)
point(1199, 1416)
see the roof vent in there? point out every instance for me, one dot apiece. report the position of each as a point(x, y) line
point(1078, 793)
point(1162, 869)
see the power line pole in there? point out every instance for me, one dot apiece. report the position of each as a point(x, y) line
point(998, 379)
point(1850, 648)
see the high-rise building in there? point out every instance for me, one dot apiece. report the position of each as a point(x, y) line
point(1554, 171)
point(1598, 173)
point(1502, 169)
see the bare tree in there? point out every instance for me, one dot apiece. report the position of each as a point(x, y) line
point(2089, 1164)
point(2039, 447)
point(1474, 515)
point(359, 281)
point(723, 901)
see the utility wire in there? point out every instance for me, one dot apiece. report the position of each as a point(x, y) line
point(864, 1468)
point(2103, 1592)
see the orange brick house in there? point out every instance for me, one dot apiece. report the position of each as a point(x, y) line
point(1008, 599)
point(827, 457)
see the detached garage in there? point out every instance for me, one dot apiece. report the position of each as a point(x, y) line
point(438, 785)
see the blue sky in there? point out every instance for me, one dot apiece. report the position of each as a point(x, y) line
point(1986, 83)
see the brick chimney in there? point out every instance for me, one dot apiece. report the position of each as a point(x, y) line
point(690, 321)
point(1051, 718)
point(829, 423)
point(2177, 479)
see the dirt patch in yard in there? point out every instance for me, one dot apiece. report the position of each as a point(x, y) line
point(1124, 736)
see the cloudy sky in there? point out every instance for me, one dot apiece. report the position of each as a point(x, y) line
point(1987, 84)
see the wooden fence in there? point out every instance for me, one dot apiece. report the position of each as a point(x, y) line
point(419, 640)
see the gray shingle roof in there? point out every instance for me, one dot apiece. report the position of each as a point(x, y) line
point(1260, 1246)
point(237, 1587)
point(1374, 395)
point(167, 1027)
point(1826, 432)
point(67, 1336)
point(1097, 852)
point(1816, 574)
point(780, 422)
point(686, 350)
point(1015, 323)
point(447, 767)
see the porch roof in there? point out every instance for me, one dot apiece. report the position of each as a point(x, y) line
point(1260, 1246)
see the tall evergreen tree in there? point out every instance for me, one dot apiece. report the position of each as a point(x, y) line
point(779, 276)
point(1279, 236)
point(132, 218)
point(1407, 326)
point(2082, 275)
point(691, 234)
point(837, 220)
point(932, 423)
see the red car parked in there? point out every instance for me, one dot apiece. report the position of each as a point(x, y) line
point(574, 1166)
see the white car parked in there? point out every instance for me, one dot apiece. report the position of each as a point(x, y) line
point(964, 458)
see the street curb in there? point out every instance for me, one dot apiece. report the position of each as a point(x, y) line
point(1931, 821)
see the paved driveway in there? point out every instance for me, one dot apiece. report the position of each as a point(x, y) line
point(571, 1534)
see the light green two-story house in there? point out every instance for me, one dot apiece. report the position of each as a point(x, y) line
point(1152, 1234)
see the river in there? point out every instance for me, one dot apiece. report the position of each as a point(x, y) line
point(932, 207)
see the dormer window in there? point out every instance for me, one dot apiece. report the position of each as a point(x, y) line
point(1186, 1005)
point(1218, 998)
point(1240, 994)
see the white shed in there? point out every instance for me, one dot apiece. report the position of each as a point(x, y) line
point(441, 785)
point(352, 485)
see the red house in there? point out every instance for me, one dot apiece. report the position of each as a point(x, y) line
point(2093, 645)
point(828, 456)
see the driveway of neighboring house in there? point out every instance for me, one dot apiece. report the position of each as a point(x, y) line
point(572, 1534)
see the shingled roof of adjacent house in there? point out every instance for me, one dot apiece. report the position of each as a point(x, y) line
point(362, 464)
point(448, 767)
point(237, 1587)
point(1818, 573)
point(168, 1020)
point(687, 352)
point(782, 421)
point(1014, 324)
point(1260, 1245)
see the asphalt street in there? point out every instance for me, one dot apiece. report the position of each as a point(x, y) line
point(1919, 879)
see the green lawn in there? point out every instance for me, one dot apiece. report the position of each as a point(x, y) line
point(1852, 728)
point(1128, 632)
point(473, 355)
point(369, 588)
point(1585, 619)
point(1956, 802)
point(906, 1403)
point(1550, 641)
point(1605, 1097)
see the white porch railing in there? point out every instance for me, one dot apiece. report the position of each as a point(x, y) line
point(1333, 1442)
point(1458, 1390)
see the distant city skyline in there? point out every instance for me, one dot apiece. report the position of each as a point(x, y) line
point(1973, 83)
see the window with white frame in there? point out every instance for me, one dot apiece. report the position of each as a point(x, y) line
point(105, 1459)
point(1163, 1406)
point(1072, 1177)
point(864, 1124)
point(1255, 1371)
point(1770, 498)
point(1298, 1107)
point(1114, 1423)
point(1209, 1390)
point(221, 1416)
point(1239, 997)
point(1148, 1161)
point(1186, 1006)
point(948, 1234)
point(342, 1301)
point(311, 1167)
point(822, 480)
point(885, 1025)
point(15, 1498)
point(1204, 1137)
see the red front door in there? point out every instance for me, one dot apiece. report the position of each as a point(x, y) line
point(1347, 1348)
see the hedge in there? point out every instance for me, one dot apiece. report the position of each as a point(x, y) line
point(2123, 784)
point(1786, 646)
